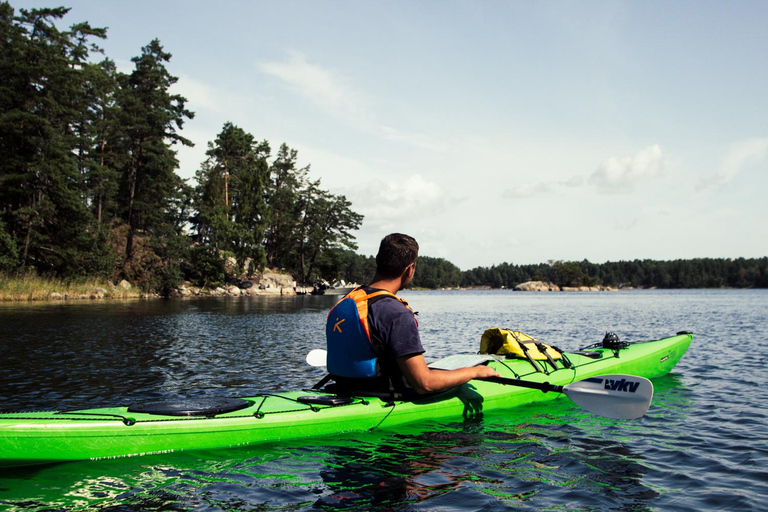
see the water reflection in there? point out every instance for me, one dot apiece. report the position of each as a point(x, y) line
point(64, 356)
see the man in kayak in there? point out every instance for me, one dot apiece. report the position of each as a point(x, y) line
point(373, 337)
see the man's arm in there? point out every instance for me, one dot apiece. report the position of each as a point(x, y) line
point(424, 380)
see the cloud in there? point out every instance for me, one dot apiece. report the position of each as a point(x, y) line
point(322, 86)
point(740, 155)
point(199, 95)
point(416, 139)
point(385, 203)
point(537, 188)
point(619, 175)
point(528, 190)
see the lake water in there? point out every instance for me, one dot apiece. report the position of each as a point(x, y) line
point(702, 446)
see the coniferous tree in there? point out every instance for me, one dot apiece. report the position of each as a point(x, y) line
point(230, 196)
point(325, 223)
point(42, 96)
point(284, 193)
point(149, 186)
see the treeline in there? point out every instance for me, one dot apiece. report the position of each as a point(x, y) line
point(695, 273)
point(88, 183)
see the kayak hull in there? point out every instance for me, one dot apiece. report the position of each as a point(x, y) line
point(105, 433)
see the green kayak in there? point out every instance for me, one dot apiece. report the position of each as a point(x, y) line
point(145, 429)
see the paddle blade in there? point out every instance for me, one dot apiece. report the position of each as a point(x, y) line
point(622, 397)
point(317, 357)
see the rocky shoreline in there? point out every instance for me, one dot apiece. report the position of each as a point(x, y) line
point(543, 286)
point(267, 284)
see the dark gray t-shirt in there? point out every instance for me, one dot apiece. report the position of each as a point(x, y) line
point(394, 326)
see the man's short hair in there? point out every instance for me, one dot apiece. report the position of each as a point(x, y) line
point(396, 252)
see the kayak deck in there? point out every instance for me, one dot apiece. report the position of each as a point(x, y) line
point(42, 437)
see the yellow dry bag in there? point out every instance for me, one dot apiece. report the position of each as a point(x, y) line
point(516, 344)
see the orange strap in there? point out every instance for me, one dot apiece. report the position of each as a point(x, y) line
point(361, 298)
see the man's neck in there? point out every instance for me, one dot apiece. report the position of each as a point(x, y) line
point(391, 285)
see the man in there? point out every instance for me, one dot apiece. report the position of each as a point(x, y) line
point(372, 335)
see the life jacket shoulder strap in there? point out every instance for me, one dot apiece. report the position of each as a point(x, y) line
point(363, 299)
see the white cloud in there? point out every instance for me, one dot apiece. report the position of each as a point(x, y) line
point(528, 189)
point(322, 86)
point(537, 188)
point(617, 175)
point(389, 203)
point(199, 95)
point(415, 139)
point(740, 155)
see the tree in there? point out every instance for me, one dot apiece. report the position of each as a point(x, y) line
point(286, 185)
point(325, 223)
point(230, 196)
point(150, 117)
point(40, 103)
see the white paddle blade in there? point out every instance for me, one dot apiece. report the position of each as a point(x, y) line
point(317, 357)
point(622, 397)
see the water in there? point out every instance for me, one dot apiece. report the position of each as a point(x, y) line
point(702, 446)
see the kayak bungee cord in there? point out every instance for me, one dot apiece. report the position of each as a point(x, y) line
point(392, 406)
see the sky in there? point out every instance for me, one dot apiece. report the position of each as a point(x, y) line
point(491, 131)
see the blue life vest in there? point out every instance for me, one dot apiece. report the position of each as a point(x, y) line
point(351, 353)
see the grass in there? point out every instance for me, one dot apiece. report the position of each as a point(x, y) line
point(33, 288)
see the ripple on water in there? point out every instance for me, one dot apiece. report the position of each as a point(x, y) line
point(703, 445)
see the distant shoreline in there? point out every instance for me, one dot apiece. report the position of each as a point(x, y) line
point(57, 292)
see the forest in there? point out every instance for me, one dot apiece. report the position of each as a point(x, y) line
point(89, 187)
point(434, 273)
point(88, 182)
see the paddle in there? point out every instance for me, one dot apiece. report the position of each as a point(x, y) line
point(617, 396)
point(317, 357)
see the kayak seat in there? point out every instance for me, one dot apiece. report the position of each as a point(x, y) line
point(208, 407)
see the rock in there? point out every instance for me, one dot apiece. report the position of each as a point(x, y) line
point(124, 285)
point(56, 296)
point(230, 266)
point(537, 286)
point(98, 293)
point(276, 280)
point(233, 291)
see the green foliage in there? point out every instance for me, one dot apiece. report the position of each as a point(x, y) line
point(150, 116)
point(306, 223)
point(345, 265)
point(566, 273)
point(206, 267)
point(436, 273)
point(695, 273)
point(8, 252)
point(230, 196)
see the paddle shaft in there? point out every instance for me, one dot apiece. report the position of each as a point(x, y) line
point(541, 386)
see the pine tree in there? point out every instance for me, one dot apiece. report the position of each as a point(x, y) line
point(149, 186)
point(230, 196)
point(42, 97)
